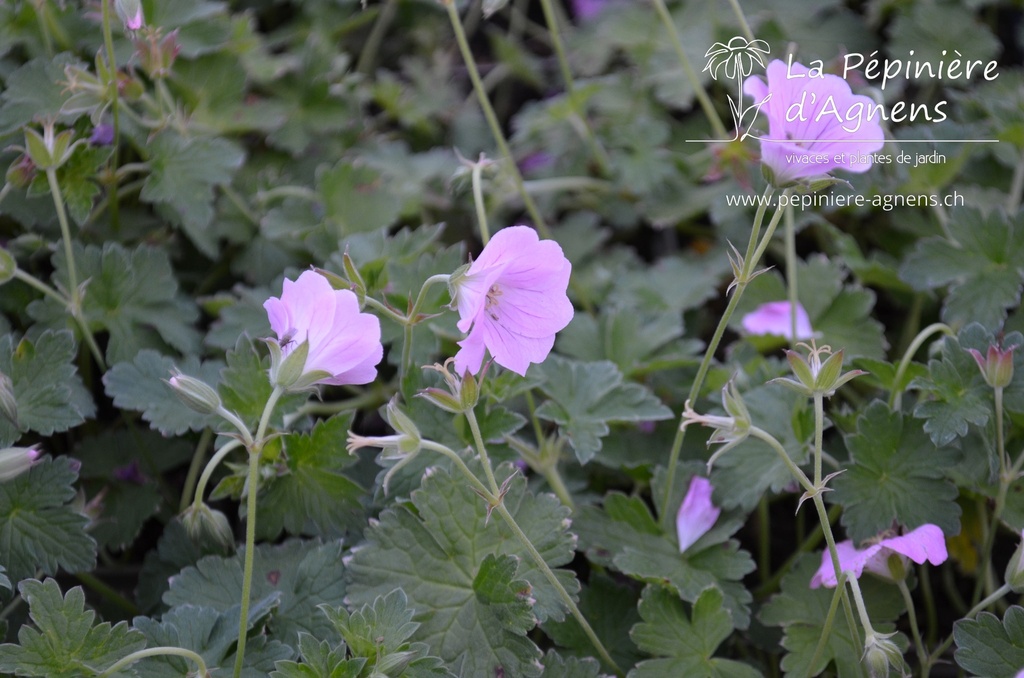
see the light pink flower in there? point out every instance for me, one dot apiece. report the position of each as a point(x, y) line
point(344, 344)
point(696, 514)
point(926, 543)
point(775, 317)
point(815, 124)
point(512, 301)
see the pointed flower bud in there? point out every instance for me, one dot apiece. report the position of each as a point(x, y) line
point(50, 150)
point(463, 391)
point(195, 394)
point(157, 54)
point(21, 172)
point(880, 653)
point(201, 521)
point(130, 12)
point(16, 460)
point(1015, 569)
point(731, 430)
point(696, 514)
point(996, 366)
point(815, 376)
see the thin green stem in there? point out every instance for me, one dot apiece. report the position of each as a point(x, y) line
point(65, 231)
point(107, 592)
point(205, 438)
point(386, 310)
point(39, 285)
point(461, 465)
point(691, 75)
point(744, 26)
point(830, 617)
point(896, 396)
point(819, 427)
point(108, 41)
point(795, 470)
point(922, 655)
point(925, 577)
point(240, 204)
point(421, 298)
point(481, 449)
point(250, 546)
point(749, 263)
point(826, 527)
point(791, 279)
point(492, 119)
point(157, 652)
point(1004, 461)
point(44, 28)
point(255, 452)
point(281, 192)
point(599, 154)
point(538, 431)
point(239, 425)
point(562, 593)
point(368, 55)
point(554, 480)
point(211, 466)
point(478, 201)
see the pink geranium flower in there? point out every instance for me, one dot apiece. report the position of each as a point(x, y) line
point(343, 344)
point(696, 514)
point(512, 301)
point(775, 317)
point(815, 124)
point(926, 543)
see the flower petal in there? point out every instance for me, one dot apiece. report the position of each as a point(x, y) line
point(696, 514)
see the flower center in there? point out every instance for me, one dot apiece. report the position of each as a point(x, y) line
point(491, 301)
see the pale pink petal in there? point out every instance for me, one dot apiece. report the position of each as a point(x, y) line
point(512, 301)
point(926, 543)
point(813, 116)
point(342, 341)
point(775, 318)
point(471, 354)
point(851, 560)
point(696, 514)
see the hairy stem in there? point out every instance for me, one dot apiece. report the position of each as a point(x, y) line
point(157, 652)
point(108, 41)
point(896, 396)
point(922, 656)
point(492, 119)
point(193, 469)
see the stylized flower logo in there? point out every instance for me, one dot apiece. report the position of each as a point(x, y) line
point(736, 60)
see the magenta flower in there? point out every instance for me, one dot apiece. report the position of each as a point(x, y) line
point(342, 345)
point(926, 543)
point(512, 301)
point(696, 514)
point(815, 123)
point(775, 318)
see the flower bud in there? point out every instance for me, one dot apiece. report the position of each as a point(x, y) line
point(403, 446)
point(130, 12)
point(201, 521)
point(1015, 569)
point(8, 403)
point(21, 172)
point(195, 394)
point(880, 654)
point(50, 150)
point(996, 366)
point(16, 460)
point(814, 377)
point(156, 54)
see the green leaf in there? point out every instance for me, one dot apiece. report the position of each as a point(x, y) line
point(39, 529)
point(981, 263)
point(956, 395)
point(35, 92)
point(303, 574)
point(213, 635)
point(625, 536)
point(446, 556)
point(610, 608)
point(120, 468)
point(986, 647)
point(65, 643)
point(632, 340)
point(897, 476)
point(357, 198)
point(685, 645)
point(245, 385)
point(320, 660)
point(312, 496)
point(174, 551)
point(801, 612)
point(586, 397)
point(383, 627)
point(557, 666)
point(140, 385)
point(132, 294)
point(183, 174)
point(47, 389)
